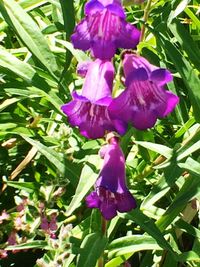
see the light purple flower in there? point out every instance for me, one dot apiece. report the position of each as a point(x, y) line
point(89, 111)
point(12, 238)
point(144, 99)
point(104, 29)
point(4, 216)
point(111, 193)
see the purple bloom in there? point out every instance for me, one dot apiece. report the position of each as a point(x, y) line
point(89, 111)
point(104, 29)
point(111, 193)
point(145, 98)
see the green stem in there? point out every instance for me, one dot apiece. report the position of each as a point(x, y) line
point(100, 262)
point(117, 79)
point(104, 232)
point(145, 18)
point(103, 226)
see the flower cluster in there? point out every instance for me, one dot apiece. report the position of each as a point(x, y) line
point(104, 30)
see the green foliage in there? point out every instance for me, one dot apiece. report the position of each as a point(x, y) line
point(47, 168)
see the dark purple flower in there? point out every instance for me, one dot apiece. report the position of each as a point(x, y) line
point(104, 29)
point(111, 193)
point(145, 98)
point(89, 111)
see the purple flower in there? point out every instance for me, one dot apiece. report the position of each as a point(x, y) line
point(104, 29)
point(89, 111)
point(145, 98)
point(111, 193)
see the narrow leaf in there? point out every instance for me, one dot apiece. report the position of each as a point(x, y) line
point(129, 244)
point(87, 179)
point(54, 157)
point(91, 249)
point(160, 149)
point(29, 33)
point(13, 64)
point(27, 186)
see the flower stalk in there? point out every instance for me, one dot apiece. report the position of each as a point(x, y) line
point(145, 18)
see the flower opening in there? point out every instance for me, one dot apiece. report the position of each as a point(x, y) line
point(145, 99)
point(89, 110)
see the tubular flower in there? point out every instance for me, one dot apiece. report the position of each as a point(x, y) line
point(104, 29)
point(89, 111)
point(144, 99)
point(111, 193)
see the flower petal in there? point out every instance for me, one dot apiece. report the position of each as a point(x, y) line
point(81, 38)
point(103, 49)
point(132, 62)
point(121, 126)
point(92, 200)
point(143, 119)
point(139, 74)
point(117, 10)
point(128, 36)
point(108, 210)
point(161, 76)
point(119, 108)
point(171, 101)
point(125, 202)
point(72, 109)
point(99, 81)
point(112, 175)
point(92, 119)
point(92, 7)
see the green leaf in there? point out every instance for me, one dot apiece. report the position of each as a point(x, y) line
point(33, 92)
point(130, 244)
point(192, 166)
point(188, 151)
point(189, 256)
point(187, 73)
point(78, 54)
point(29, 33)
point(91, 249)
point(30, 245)
point(8, 102)
point(160, 149)
point(189, 190)
point(156, 193)
point(181, 6)
point(13, 64)
point(193, 17)
point(186, 227)
point(13, 129)
point(27, 186)
point(68, 15)
point(149, 226)
point(115, 262)
point(186, 42)
point(87, 179)
point(31, 4)
point(54, 157)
